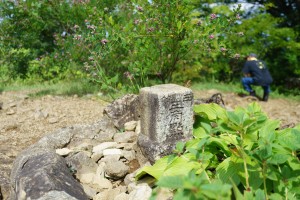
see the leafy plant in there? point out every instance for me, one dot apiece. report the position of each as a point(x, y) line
point(140, 43)
point(242, 149)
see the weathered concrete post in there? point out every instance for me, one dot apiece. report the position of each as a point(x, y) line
point(166, 118)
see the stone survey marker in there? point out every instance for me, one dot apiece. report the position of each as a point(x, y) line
point(166, 118)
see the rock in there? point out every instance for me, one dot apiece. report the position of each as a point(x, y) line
point(166, 118)
point(100, 170)
point(123, 110)
point(96, 156)
point(44, 175)
point(216, 98)
point(94, 178)
point(86, 174)
point(125, 137)
point(138, 128)
point(101, 183)
point(53, 120)
point(164, 194)
point(129, 178)
point(142, 160)
point(13, 126)
point(57, 139)
point(107, 152)
point(89, 191)
point(39, 114)
point(77, 160)
point(106, 145)
point(126, 146)
point(12, 104)
point(109, 194)
point(10, 112)
point(1, 105)
point(63, 151)
point(129, 155)
point(131, 186)
point(102, 131)
point(111, 158)
point(133, 165)
point(140, 192)
point(122, 196)
point(130, 126)
point(84, 146)
point(57, 195)
point(116, 170)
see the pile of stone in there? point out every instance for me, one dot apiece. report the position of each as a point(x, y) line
point(82, 162)
point(106, 170)
point(99, 161)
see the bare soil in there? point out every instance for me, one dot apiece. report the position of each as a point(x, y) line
point(25, 120)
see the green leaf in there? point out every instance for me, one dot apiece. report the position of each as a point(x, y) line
point(272, 173)
point(237, 194)
point(217, 190)
point(156, 170)
point(110, 20)
point(179, 24)
point(277, 159)
point(235, 117)
point(254, 107)
point(220, 143)
point(212, 111)
point(181, 166)
point(228, 170)
point(183, 195)
point(264, 151)
point(276, 196)
point(180, 146)
point(290, 139)
point(173, 182)
point(268, 130)
point(249, 195)
point(192, 143)
point(115, 78)
point(199, 132)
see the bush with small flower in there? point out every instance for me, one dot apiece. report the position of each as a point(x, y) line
point(119, 44)
point(139, 43)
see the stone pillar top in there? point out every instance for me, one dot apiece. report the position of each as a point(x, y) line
point(166, 118)
point(166, 89)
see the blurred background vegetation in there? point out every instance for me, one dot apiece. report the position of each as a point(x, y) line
point(122, 45)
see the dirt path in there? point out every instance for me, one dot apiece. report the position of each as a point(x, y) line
point(24, 120)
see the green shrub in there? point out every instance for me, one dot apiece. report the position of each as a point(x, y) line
point(241, 153)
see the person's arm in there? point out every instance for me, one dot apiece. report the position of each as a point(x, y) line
point(246, 70)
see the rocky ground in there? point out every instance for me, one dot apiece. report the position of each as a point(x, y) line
point(25, 120)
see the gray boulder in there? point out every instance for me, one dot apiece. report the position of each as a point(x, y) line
point(44, 175)
point(123, 110)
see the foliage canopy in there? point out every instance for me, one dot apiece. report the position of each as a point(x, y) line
point(122, 44)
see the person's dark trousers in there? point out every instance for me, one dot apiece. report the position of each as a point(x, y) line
point(248, 81)
point(267, 91)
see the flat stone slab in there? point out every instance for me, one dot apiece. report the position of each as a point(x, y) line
point(166, 118)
